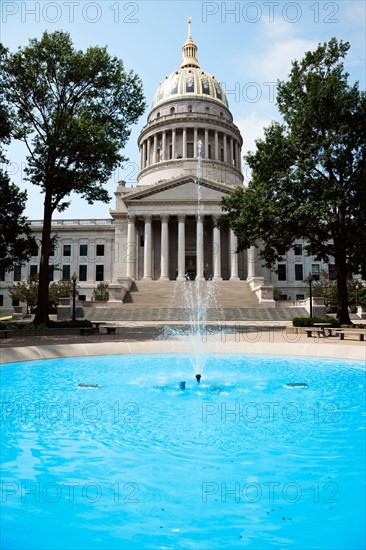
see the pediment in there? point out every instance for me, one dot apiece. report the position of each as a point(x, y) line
point(182, 190)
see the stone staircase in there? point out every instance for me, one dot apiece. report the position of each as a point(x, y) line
point(218, 315)
point(155, 301)
point(164, 294)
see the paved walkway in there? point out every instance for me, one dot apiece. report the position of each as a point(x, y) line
point(270, 338)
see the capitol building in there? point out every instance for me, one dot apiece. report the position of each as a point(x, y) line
point(164, 228)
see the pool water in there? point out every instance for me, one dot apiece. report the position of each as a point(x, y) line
point(109, 453)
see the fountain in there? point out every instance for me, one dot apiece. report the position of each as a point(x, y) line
point(198, 298)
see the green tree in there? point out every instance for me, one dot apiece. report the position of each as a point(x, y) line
point(60, 289)
point(73, 110)
point(15, 237)
point(308, 174)
point(25, 291)
point(101, 294)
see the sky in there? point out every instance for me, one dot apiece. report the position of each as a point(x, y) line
point(247, 46)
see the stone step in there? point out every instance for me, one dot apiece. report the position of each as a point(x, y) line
point(137, 314)
point(172, 293)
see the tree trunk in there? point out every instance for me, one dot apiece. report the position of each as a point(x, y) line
point(41, 317)
point(341, 273)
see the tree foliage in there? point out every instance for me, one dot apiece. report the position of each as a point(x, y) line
point(308, 173)
point(15, 236)
point(26, 291)
point(73, 110)
point(101, 293)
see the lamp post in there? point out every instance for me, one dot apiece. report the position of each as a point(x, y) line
point(310, 279)
point(74, 279)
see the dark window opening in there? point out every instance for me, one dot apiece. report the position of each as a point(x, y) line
point(100, 249)
point(67, 250)
point(83, 270)
point(99, 272)
point(83, 250)
point(66, 272)
point(281, 272)
point(299, 272)
point(17, 273)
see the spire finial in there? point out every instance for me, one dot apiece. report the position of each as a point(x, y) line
point(189, 26)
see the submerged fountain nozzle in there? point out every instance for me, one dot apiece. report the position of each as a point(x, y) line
point(198, 377)
point(182, 385)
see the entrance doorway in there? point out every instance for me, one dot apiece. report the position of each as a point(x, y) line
point(191, 269)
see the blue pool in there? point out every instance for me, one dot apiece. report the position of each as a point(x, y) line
point(109, 453)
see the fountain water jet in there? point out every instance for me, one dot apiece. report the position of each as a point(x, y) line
point(198, 298)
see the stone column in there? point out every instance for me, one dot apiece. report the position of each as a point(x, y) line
point(131, 252)
point(251, 261)
point(173, 144)
point(233, 257)
point(238, 157)
point(195, 147)
point(147, 248)
point(206, 143)
point(143, 155)
point(163, 146)
point(184, 143)
point(164, 259)
point(155, 149)
point(199, 249)
point(225, 149)
point(231, 151)
point(148, 152)
point(216, 145)
point(181, 248)
point(216, 251)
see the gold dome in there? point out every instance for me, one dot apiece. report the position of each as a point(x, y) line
point(190, 80)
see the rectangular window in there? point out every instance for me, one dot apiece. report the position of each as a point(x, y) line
point(67, 250)
point(99, 272)
point(299, 272)
point(34, 249)
point(209, 151)
point(315, 271)
point(100, 249)
point(170, 151)
point(298, 249)
point(83, 250)
point(17, 273)
point(83, 272)
point(332, 272)
point(82, 298)
point(222, 154)
point(281, 252)
point(281, 272)
point(2, 274)
point(52, 249)
point(50, 272)
point(33, 270)
point(1, 300)
point(15, 302)
point(142, 240)
point(300, 297)
point(66, 270)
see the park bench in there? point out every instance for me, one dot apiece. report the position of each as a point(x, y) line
point(351, 332)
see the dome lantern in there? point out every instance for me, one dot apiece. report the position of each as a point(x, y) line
point(189, 49)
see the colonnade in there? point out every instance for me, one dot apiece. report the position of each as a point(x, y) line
point(183, 143)
point(164, 254)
